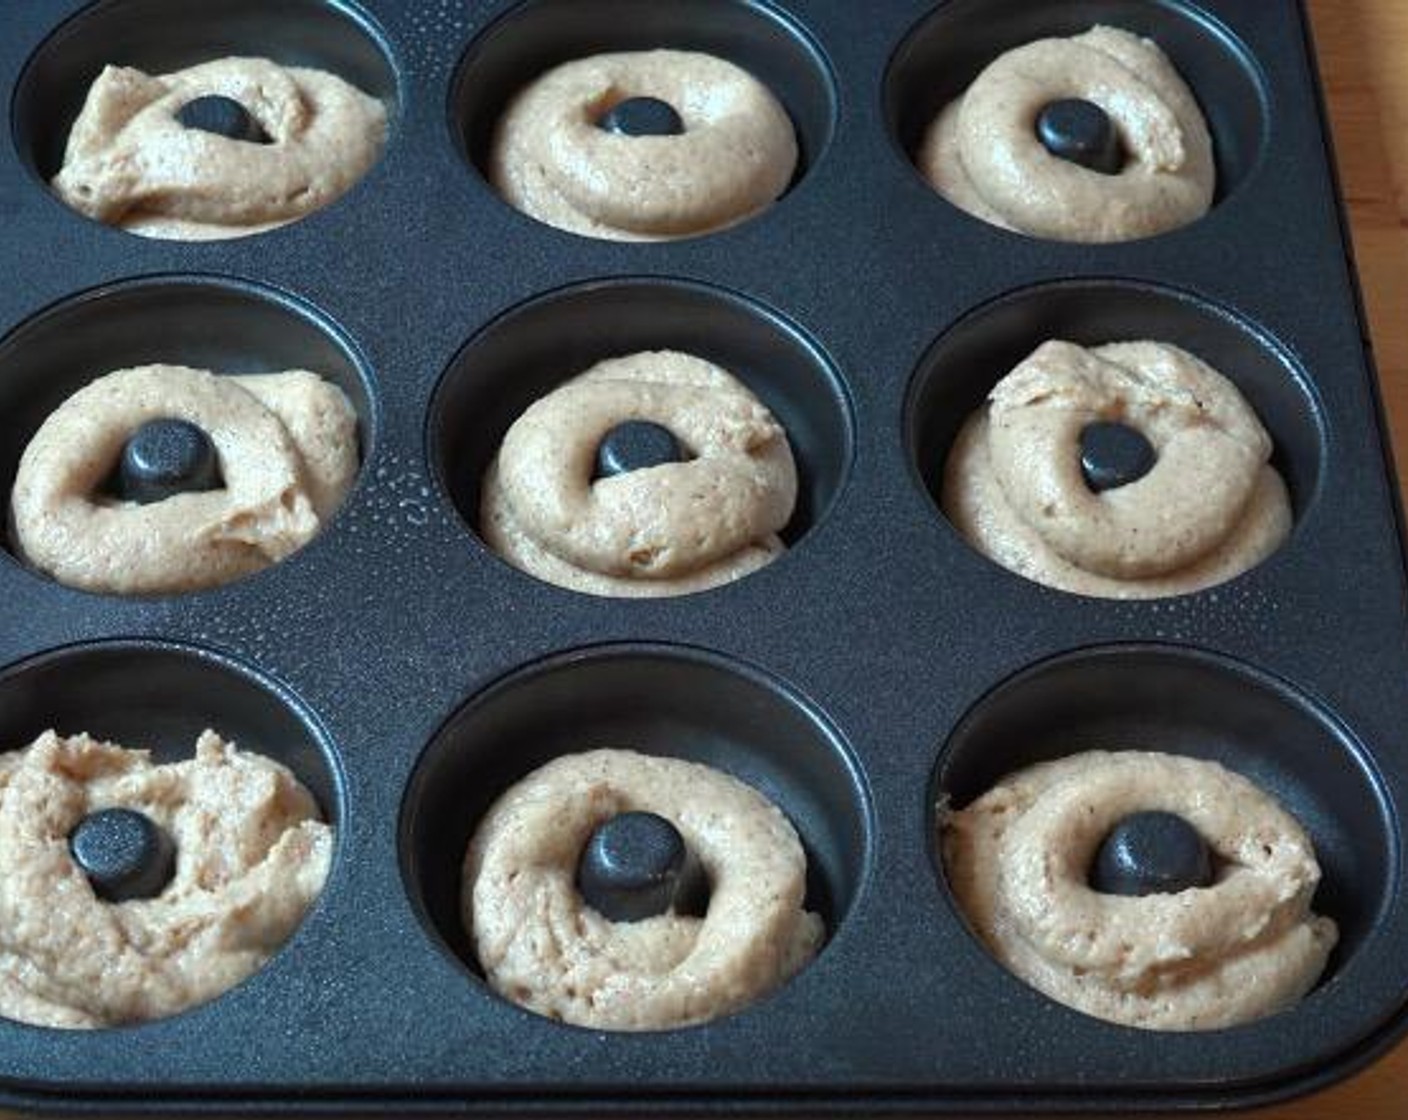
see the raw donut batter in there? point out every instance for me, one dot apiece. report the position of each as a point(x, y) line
point(542, 946)
point(287, 445)
point(983, 154)
point(131, 163)
point(1243, 948)
point(251, 856)
point(1211, 507)
point(666, 530)
point(735, 156)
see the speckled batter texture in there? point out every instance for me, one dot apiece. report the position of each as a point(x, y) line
point(287, 446)
point(736, 156)
point(1244, 948)
point(251, 856)
point(1211, 507)
point(666, 530)
point(982, 152)
point(542, 946)
point(131, 163)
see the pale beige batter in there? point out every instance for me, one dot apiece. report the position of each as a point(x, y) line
point(982, 152)
point(251, 857)
point(1244, 948)
point(736, 156)
point(542, 946)
point(131, 163)
point(666, 530)
point(1211, 507)
point(287, 446)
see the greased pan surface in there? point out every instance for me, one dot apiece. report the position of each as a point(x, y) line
point(408, 674)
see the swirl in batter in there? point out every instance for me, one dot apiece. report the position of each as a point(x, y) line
point(1210, 508)
point(1243, 948)
point(735, 156)
point(131, 163)
point(666, 530)
point(287, 447)
point(542, 946)
point(983, 154)
point(251, 857)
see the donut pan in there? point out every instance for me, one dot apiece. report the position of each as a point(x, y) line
point(408, 675)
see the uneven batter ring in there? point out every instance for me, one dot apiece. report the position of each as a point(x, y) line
point(251, 856)
point(287, 450)
point(1210, 507)
point(543, 947)
point(736, 155)
point(1018, 859)
point(131, 162)
point(666, 529)
point(983, 152)
point(1210, 447)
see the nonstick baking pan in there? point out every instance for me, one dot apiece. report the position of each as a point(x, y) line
point(407, 674)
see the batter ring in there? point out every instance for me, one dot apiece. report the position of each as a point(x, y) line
point(664, 530)
point(251, 857)
point(541, 946)
point(735, 157)
point(1018, 860)
point(287, 447)
point(1210, 507)
point(983, 154)
point(131, 163)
